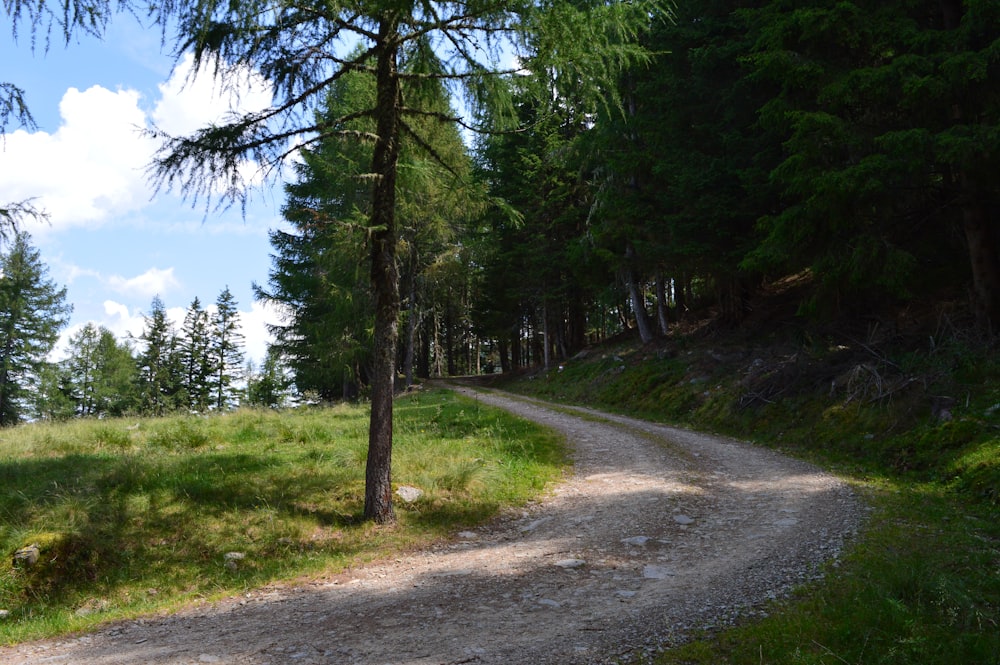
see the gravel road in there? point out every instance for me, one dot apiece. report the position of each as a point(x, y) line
point(657, 532)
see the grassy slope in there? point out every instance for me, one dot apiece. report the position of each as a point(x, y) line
point(137, 516)
point(910, 417)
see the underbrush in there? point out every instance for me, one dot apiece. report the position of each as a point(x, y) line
point(915, 430)
point(130, 516)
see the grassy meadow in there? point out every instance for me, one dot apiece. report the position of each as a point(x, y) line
point(134, 516)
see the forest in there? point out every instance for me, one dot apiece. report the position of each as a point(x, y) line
point(850, 146)
point(853, 146)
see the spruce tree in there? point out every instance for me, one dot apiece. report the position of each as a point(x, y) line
point(159, 363)
point(195, 355)
point(225, 349)
point(32, 312)
point(98, 376)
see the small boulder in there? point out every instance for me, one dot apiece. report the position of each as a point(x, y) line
point(409, 494)
point(26, 557)
point(233, 559)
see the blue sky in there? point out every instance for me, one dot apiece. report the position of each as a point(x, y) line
point(110, 241)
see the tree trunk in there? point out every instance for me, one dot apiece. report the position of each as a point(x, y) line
point(515, 346)
point(680, 296)
point(411, 322)
point(546, 339)
point(662, 306)
point(438, 371)
point(504, 356)
point(424, 356)
point(636, 296)
point(385, 281)
point(984, 256)
point(449, 335)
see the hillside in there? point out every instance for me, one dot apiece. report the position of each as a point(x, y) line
point(912, 393)
point(905, 407)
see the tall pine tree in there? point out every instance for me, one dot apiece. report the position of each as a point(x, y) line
point(225, 350)
point(32, 312)
point(159, 363)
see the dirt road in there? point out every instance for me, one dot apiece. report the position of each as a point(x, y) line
point(657, 532)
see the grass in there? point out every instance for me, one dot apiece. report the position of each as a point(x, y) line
point(922, 583)
point(134, 516)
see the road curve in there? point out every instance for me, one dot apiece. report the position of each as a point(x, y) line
point(657, 532)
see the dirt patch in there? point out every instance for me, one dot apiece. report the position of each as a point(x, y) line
point(658, 532)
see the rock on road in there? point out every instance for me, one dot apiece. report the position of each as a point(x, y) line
point(657, 532)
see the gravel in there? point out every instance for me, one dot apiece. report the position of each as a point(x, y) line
point(656, 533)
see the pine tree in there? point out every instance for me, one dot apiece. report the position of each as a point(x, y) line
point(159, 363)
point(32, 312)
point(890, 124)
point(195, 355)
point(81, 369)
point(225, 349)
point(268, 387)
point(116, 375)
point(97, 378)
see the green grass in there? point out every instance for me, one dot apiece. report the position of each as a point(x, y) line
point(133, 516)
point(922, 583)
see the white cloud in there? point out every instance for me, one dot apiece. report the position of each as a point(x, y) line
point(253, 325)
point(150, 283)
point(93, 167)
point(187, 103)
point(122, 322)
point(90, 168)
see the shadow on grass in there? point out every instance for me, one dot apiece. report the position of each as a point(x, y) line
point(103, 521)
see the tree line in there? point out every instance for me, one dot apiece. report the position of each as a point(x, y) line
point(851, 145)
point(196, 368)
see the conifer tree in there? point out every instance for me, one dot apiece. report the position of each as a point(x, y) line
point(268, 386)
point(96, 379)
point(225, 349)
point(194, 346)
point(159, 363)
point(32, 312)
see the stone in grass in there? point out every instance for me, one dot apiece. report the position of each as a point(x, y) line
point(92, 606)
point(409, 494)
point(4, 614)
point(233, 559)
point(26, 557)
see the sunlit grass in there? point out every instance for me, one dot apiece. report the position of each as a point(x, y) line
point(137, 515)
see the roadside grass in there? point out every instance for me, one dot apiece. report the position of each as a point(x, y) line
point(922, 582)
point(921, 586)
point(136, 516)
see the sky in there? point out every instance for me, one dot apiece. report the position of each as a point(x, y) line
point(112, 240)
